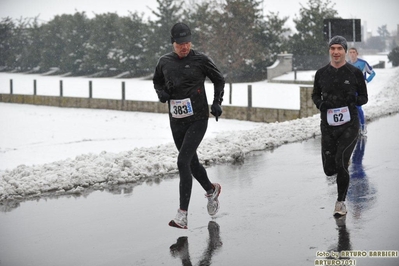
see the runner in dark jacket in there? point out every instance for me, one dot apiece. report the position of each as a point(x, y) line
point(183, 78)
point(338, 88)
point(179, 80)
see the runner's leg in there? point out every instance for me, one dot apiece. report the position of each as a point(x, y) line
point(361, 116)
point(187, 138)
point(346, 144)
point(328, 150)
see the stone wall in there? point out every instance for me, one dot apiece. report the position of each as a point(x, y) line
point(254, 114)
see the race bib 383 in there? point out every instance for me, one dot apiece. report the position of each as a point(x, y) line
point(181, 108)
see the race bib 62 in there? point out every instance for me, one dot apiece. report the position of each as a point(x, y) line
point(338, 116)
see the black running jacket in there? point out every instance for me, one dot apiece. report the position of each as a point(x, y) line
point(344, 86)
point(184, 78)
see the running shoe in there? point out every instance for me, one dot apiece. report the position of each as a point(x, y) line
point(213, 201)
point(363, 130)
point(180, 220)
point(340, 209)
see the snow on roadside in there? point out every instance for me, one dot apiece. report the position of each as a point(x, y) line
point(102, 170)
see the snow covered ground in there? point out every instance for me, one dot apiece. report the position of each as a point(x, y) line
point(60, 150)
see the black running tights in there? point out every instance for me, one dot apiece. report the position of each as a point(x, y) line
point(337, 145)
point(187, 138)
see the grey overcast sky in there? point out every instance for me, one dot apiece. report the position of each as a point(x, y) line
point(373, 13)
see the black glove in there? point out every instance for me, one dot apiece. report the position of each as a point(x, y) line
point(163, 96)
point(324, 106)
point(216, 109)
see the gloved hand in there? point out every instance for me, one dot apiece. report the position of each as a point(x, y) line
point(163, 96)
point(216, 109)
point(324, 106)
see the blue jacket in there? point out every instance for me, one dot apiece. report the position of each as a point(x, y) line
point(365, 68)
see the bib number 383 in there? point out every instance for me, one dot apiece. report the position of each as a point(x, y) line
point(338, 116)
point(181, 108)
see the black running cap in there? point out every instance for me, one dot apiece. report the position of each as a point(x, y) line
point(180, 33)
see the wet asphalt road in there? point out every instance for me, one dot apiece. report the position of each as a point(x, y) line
point(276, 209)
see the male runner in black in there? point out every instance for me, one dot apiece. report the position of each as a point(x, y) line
point(179, 80)
point(338, 88)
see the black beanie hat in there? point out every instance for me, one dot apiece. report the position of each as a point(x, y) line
point(180, 33)
point(339, 40)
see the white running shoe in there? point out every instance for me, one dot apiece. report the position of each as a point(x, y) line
point(363, 130)
point(213, 201)
point(180, 220)
point(340, 209)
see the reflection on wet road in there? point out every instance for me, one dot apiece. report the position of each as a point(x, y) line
point(361, 193)
point(276, 209)
point(181, 248)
